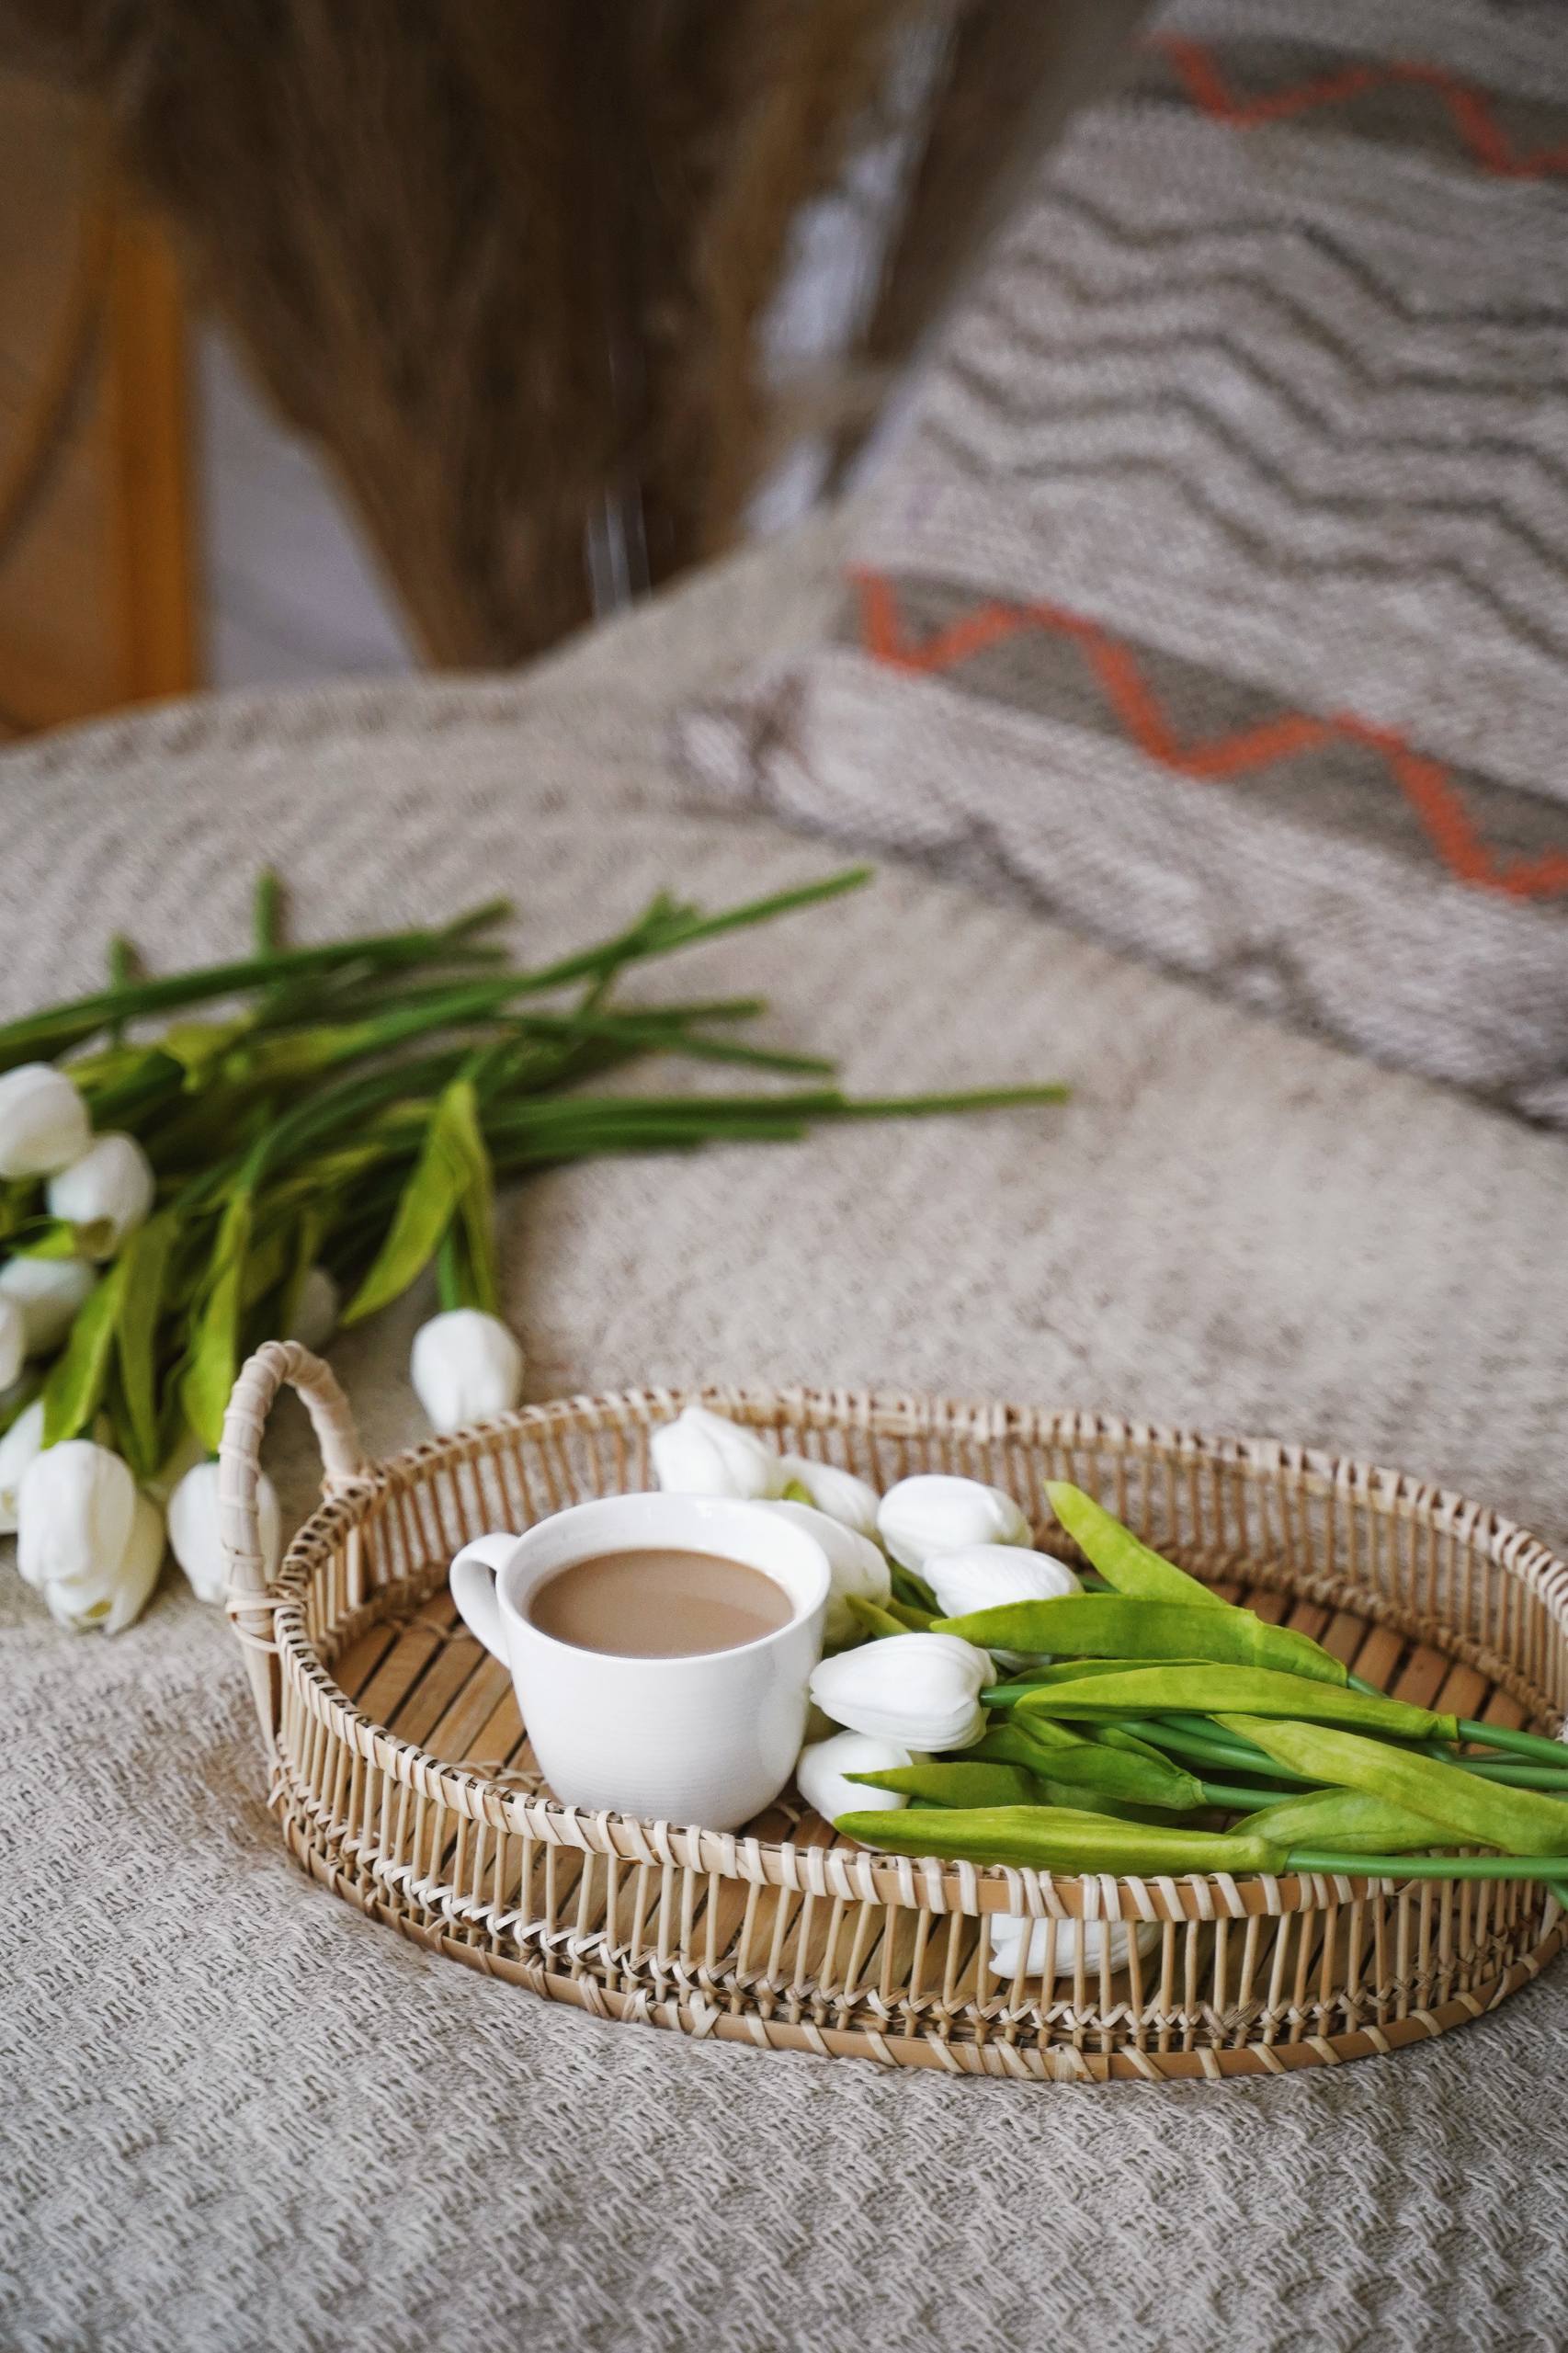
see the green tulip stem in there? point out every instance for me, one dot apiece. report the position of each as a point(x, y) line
point(267, 912)
point(1548, 1869)
point(1529, 1745)
point(1236, 1797)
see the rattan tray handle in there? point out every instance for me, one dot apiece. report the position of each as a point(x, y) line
point(239, 1467)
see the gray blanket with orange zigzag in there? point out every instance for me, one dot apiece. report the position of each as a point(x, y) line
point(1218, 599)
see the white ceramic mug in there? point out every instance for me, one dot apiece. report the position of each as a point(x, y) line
point(708, 1740)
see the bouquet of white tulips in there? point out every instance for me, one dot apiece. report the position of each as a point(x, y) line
point(193, 1163)
point(1129, 1720)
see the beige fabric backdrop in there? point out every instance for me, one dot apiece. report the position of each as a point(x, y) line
point(235, 2114)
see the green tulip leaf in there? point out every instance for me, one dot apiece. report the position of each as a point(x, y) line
point(476, 1202)
point(146, 1261)
point(1058, 1838)
point(1123, 1560)
point(452, 1164)
point(1118, 1626)
point(212, 1358)
point(962, 1782)
point(306, 1248)
point(75, 1389)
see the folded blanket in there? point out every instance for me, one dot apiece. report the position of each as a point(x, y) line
point(1218, 601)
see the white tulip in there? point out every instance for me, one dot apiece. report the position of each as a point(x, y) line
point(988, 1577)
point(855, 1565)
point(13, 1341)
point(315, 1310)
point(465, 1365)
point(1008, 1931)
point(823, 1764)
point(921, 1690)
point(194, 1532)
point(22, 1442)
point(105, 1193)
point(704, 1454)
point(837, 1492)
point(932, 1513)
point(75, 1507)
point(105, 1602)
point(48, 1291)
point(43, 1122)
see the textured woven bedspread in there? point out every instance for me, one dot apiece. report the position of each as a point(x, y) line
point(235, 2114)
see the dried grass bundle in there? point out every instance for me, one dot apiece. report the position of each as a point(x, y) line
point(505, 261)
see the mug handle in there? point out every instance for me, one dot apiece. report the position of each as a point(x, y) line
point(472, 1579)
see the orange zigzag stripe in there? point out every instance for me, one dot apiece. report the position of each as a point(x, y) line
point(1425, 783)
point(1469, 108)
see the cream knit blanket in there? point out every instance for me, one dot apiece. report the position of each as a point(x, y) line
point(236, 2115)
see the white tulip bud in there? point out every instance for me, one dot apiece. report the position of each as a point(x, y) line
point(74, 1508)
point(105, 1193)
point(1008, 1931)
point(837, 1492)
point(855, 1565)
point(932, 1513)
point(21, 1444)
point(194, 1533)
point(48, 1291)
point(105, 1602)
point(43, 1122)
point(986, 1576)
point(13, 1341)
point(704, 1454)
point(315, 1310)
point(823, 1764)
point(465, 1365)
point(921, 1690)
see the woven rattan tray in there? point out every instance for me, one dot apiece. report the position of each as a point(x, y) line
point(404, 1783)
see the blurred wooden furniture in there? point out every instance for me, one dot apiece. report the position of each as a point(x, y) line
point(96, 603)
